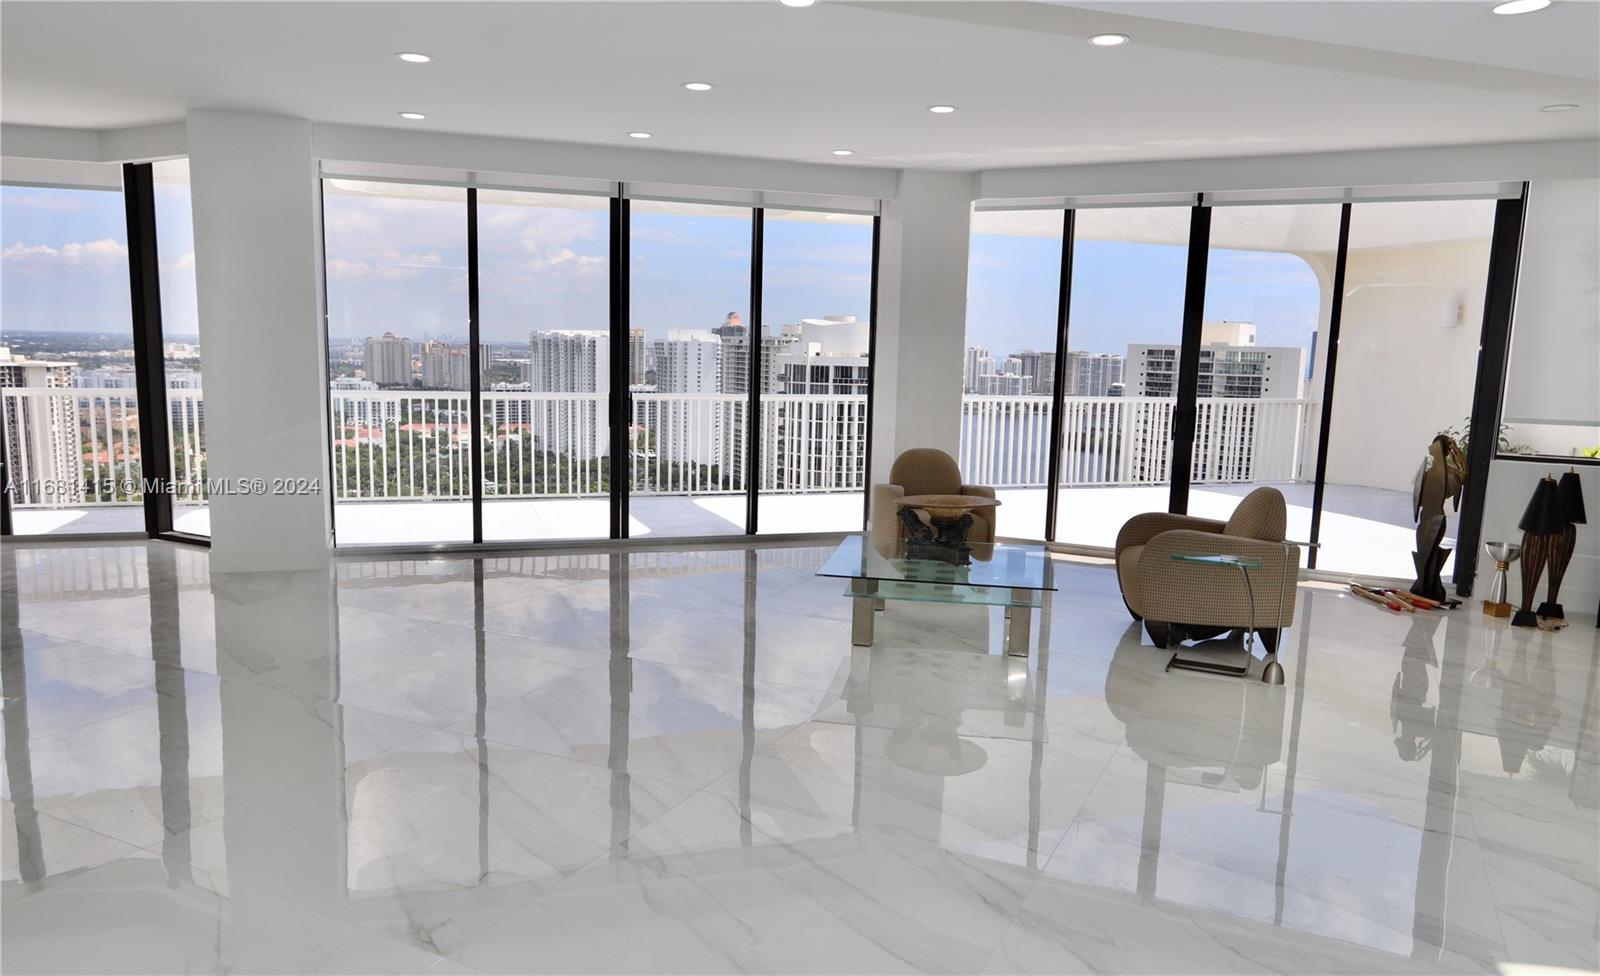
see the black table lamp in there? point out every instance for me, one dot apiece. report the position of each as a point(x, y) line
point(1569, 499)
point(1541, 524)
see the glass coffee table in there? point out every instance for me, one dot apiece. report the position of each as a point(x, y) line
point(1017, 576)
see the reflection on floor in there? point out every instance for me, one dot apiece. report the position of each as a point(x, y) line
point(674, 761)
point(1368, 531)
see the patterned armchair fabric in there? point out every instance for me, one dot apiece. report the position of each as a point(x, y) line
point(926, 471)
point(1162, 591)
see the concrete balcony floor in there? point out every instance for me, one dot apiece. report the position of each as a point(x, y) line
point(1365, 531)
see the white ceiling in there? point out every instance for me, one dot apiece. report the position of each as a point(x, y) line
point(1200, 78)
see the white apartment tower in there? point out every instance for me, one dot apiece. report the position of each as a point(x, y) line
point(387, 360)
point(41, 431)
point(445, 368)
point(688, 361)
point(1231, 365)
point(1093, 374)
point(570, 361)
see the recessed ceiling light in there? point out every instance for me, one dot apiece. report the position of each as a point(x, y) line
point(638, 135)
point(1512, 7)
point(698, 85)
point(413, 57)
point(1109, 40)
point(1558, 107)
point(844, 152)
point(413, 116)
point(941, 109)
point(797, 3)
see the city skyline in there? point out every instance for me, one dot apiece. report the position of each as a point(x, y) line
point(398, 264)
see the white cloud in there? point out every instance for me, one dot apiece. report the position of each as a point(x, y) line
point(385, 266)
point(104, 253)
point(55, 201)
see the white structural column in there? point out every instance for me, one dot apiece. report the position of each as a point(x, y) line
point(922, 316)
point(258, 245)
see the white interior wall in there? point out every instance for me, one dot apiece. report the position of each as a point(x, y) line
point(922, 316)
point(1552, 398)
point(258, 270)
point(1403, 376)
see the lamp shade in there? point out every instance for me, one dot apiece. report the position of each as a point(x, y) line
point(1543, 515)
point(1570, 489)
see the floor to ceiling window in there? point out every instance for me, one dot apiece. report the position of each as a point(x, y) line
point(816, 293)
point(67, 380)
point(398, 362)
point(1268, 297)
point(1408, 352)
point(1009, 365)
point(1124, 335)
point(689, 326)
point(545, 343)
point(180, 348)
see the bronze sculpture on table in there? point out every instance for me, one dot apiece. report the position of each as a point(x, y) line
point(937, 526)
point(1439, 478)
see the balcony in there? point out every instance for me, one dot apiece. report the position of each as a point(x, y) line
point(400, 466)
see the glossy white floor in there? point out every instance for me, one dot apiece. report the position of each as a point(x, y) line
point(675, 762)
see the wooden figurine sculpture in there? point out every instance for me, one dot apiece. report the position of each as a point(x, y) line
point(1542, 526)
point(1440, 477)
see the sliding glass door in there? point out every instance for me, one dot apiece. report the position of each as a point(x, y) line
point(1268, 298)
point(182, 365)
point(816, 335)
point(689, 342)
point(1009, 366)
point(67, 378)
point(1124, 336)
point(400, 388)
point(544, 349)
point(1199, 358)
point(1409, 337)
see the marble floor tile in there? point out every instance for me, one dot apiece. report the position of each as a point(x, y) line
point(676, 761)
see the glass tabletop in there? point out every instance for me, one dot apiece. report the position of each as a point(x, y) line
point(1014, 565)
point(1217, 560)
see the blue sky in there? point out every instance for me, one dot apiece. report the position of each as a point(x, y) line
point(64, 255)
point(400, 265)
point(1126, 292)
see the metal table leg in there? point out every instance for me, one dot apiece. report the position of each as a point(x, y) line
point(1250, 601)
point(861, 611)
point(1019, 624)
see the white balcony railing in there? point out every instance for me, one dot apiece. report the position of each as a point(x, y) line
point(76, 447)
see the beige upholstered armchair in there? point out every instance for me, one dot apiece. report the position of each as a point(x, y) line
point(1178, 600)
point(926, 471)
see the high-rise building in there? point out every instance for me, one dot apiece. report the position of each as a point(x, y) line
point(688, 361)
point(821, 355)
point(445, 367)
point(1231, 365)
point(571, 361)
point(638, 360)
point(1002, 384)
point(1093, 374)
point(1039, 368)
point(976, 364)
point(818, 443)
point(387, 360)
point(41, 432)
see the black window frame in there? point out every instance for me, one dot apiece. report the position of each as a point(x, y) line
point(1487, 398)
point(149, 376)
point(620, 399)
